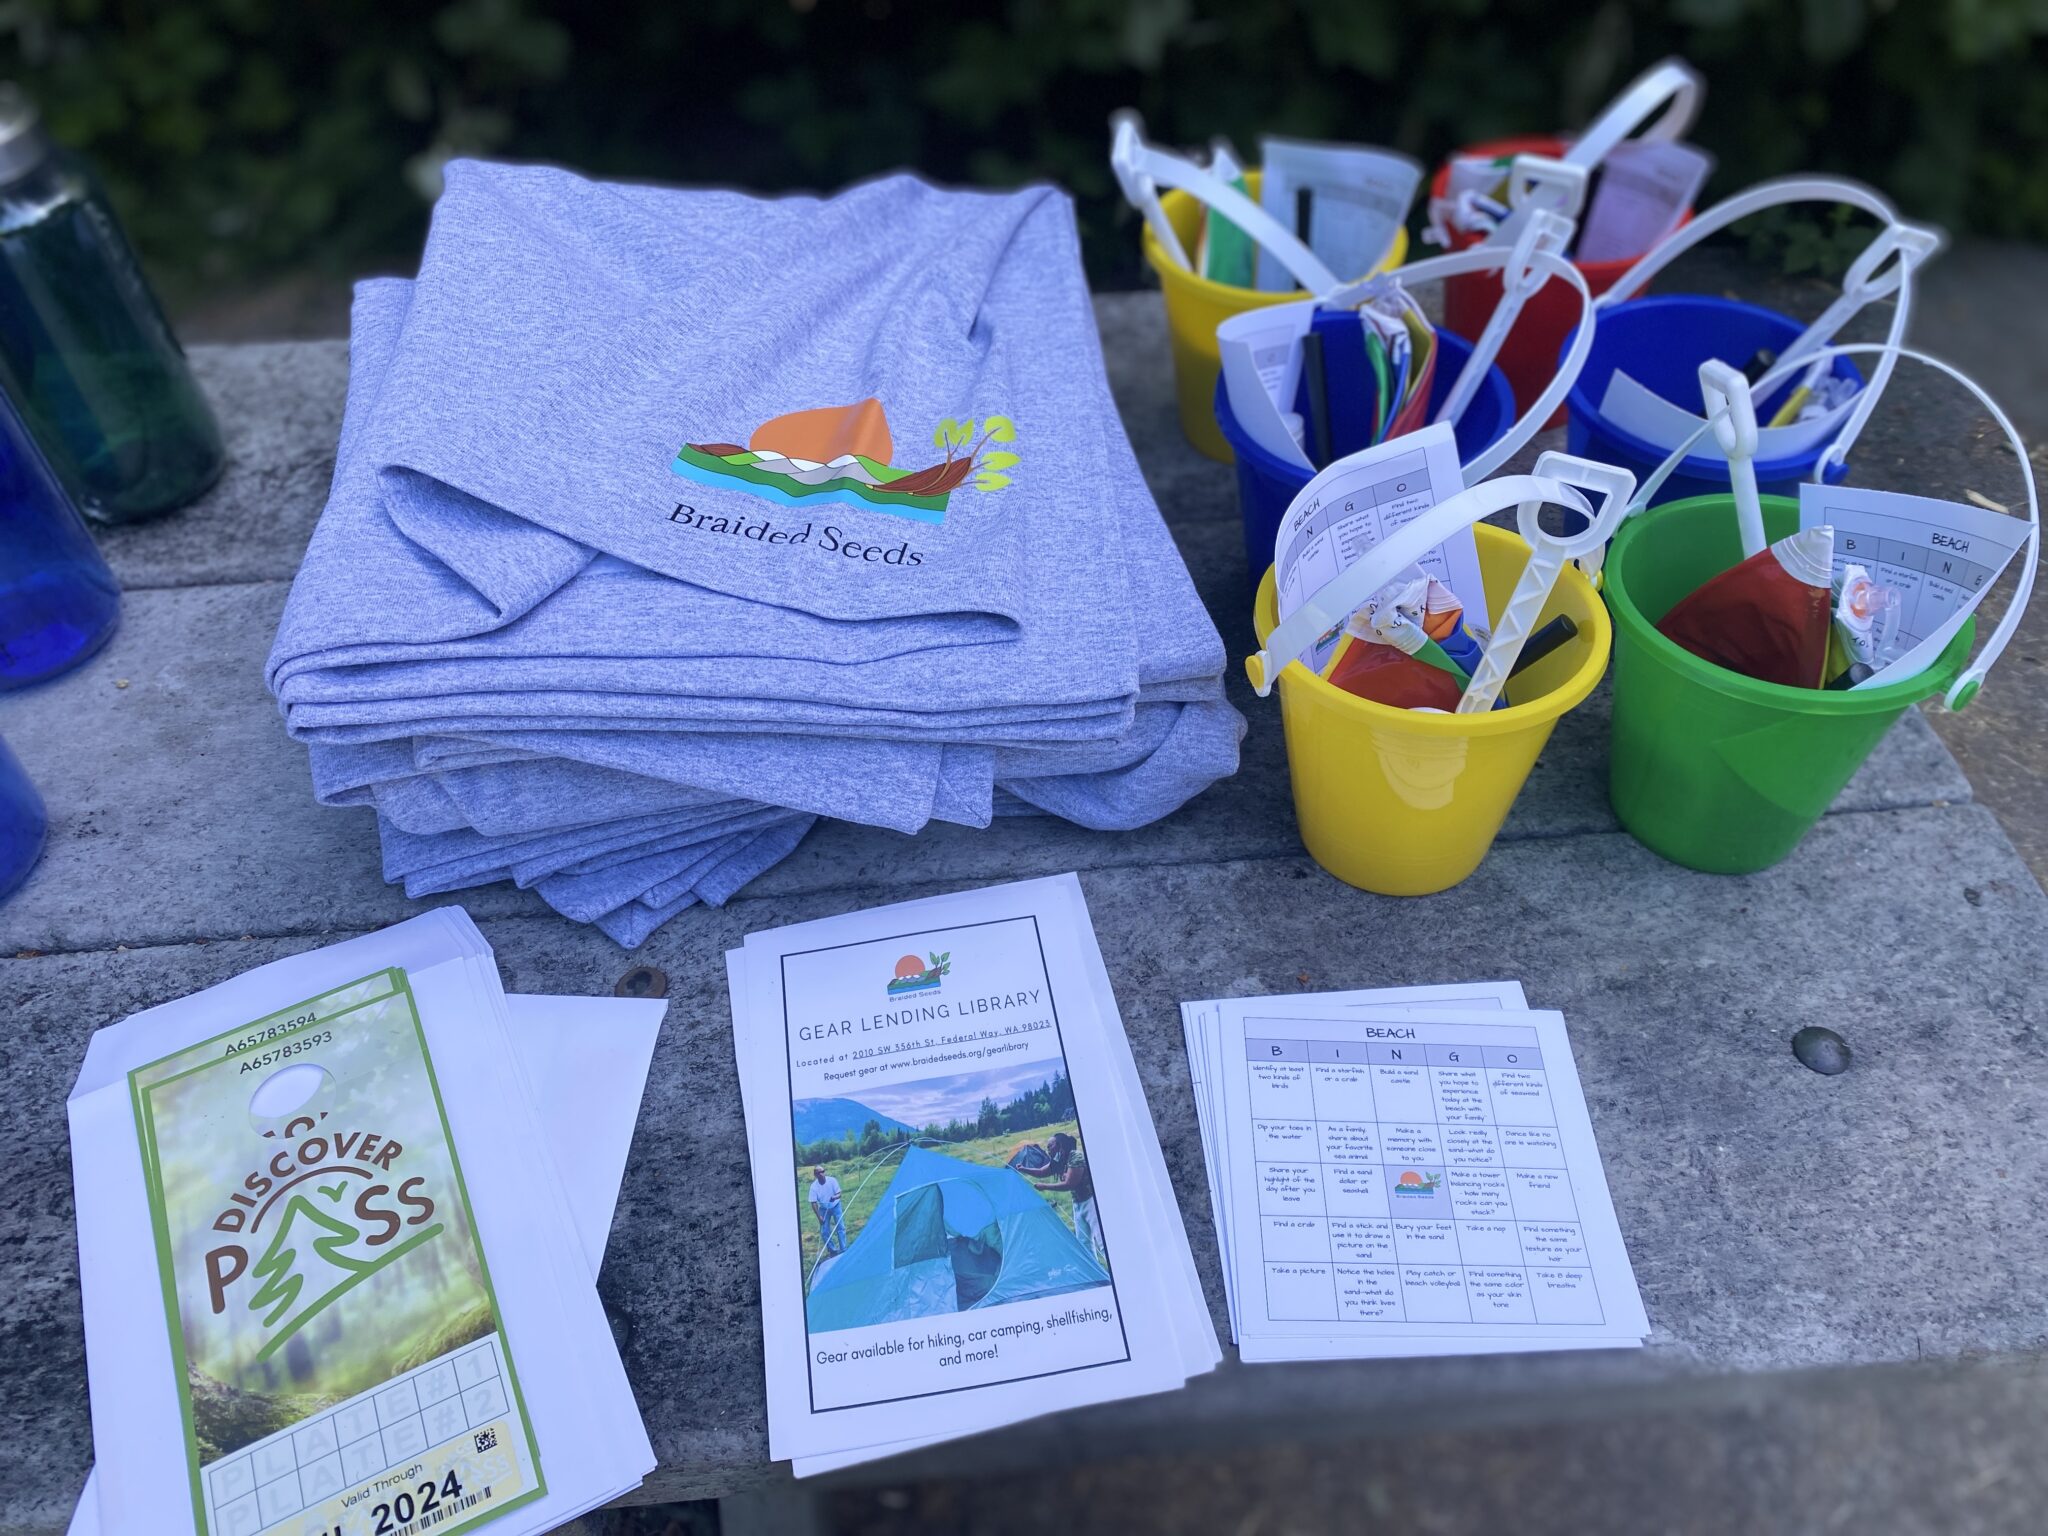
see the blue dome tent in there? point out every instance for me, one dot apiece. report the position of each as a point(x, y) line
point(949, 1236)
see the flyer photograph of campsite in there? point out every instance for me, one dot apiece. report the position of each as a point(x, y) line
point(944, 1199)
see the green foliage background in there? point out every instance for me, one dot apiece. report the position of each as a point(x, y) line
point(242, 138)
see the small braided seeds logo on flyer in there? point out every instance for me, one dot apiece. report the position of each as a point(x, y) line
point(915, 975)
point(343, 1366)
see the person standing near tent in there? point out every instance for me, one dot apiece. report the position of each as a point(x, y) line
point(824, 1194)
point(1069, 1172)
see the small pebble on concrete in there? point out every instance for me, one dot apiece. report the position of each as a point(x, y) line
point(1821, 1049)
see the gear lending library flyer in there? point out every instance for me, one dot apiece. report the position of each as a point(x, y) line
point(960, 1226)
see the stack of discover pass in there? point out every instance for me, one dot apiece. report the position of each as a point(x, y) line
point(665, 522)
point(337, 1268)
point(964, 1215)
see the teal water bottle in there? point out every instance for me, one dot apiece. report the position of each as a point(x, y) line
point(85, 351)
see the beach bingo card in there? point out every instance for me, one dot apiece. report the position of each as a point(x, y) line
point(1940, 556)
point(1360, 500)
point(1417, 1177)
point(341, 1364)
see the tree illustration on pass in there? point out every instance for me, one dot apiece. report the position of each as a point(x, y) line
point(305, 1263)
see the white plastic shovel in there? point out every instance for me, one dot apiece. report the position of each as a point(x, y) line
point(1547, 556)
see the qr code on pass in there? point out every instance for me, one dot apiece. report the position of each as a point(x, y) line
point(487, 1440)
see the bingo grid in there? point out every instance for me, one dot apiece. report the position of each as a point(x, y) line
point(1419, 1181)
point(1350, 520)
point(1933, 584)
point(297, 1468)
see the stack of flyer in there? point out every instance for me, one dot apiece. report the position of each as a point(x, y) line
point(338, 1268)
point(965, 1219)
point(1408, 1171)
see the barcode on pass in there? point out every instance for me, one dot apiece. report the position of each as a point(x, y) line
point(436, 1515)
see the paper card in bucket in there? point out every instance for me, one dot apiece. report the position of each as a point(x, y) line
point(1345, 200)
point(1643, 192)
point(1358, 501)
point(1941, 557)
point(1312, 382)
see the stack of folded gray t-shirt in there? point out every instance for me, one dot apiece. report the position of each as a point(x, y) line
point(664, 523)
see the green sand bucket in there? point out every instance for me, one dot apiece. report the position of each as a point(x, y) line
point(1714, 770)
point(1721, 772)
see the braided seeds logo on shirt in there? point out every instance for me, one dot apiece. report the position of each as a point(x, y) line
point(841, 454)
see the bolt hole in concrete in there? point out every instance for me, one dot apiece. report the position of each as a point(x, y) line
point(642, 981)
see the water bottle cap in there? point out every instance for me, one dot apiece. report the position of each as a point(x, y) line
point(22, 145)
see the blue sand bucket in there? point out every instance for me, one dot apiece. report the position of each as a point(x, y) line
point(1660, 342)
point(1267, 483)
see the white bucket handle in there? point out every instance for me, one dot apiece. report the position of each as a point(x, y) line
point(1520, 266)
point(1140, 171)
point(1971, 678)
point(1558, 182)
point(1342, 595)
point(1885, 267)
point(1671, 84)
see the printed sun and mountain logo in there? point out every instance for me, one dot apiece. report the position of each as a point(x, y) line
point(1413, 1183)
point(915, 975)
point(844, 454)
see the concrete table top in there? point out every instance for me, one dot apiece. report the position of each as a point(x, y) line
point(1778, 1220)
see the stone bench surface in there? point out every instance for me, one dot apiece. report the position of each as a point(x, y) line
point(1778, 1220)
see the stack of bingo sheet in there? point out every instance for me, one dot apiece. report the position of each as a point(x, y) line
point(1405, 1171)
point(666, 522)
point(337, 1267)
point(965, 1217)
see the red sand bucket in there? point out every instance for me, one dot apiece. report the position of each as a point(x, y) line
point(1529, 355)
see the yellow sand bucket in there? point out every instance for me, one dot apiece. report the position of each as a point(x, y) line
point(1195, 306)
point(1406, 802)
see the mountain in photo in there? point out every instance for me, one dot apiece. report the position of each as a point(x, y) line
point(831, 1119)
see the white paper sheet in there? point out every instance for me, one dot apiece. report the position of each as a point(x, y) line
point(1200, 1351)
point(593, 1054)
point(1358, 501)
point(1941, 556)
point(1223, 1152)
point(1645, 187)
point(1448, 1194)
point(851, 1366)
point(571, 1386)
point(1359, 198)
point(1634, 407)
point(1261, 351)
point(1201, 1022)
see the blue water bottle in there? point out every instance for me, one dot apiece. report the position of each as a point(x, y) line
point(22, 823)
point(58, 600)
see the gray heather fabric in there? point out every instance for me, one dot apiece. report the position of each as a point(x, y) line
point(587, 897)
point(630, 924)
point(551, 642)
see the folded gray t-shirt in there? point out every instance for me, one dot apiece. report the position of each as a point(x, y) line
point(532, 676)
